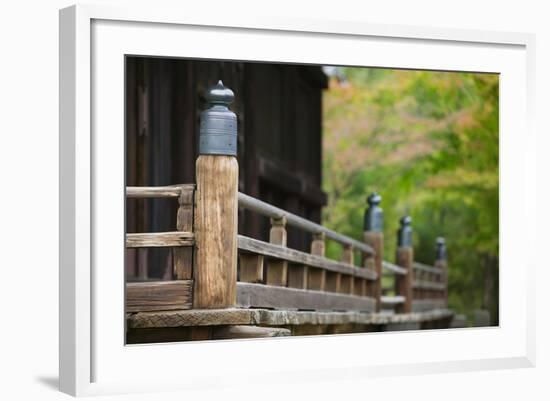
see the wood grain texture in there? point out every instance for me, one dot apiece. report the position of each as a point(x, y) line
point(251, 268)
point(183, 257)
point(252, 245)
point(376, 241)
point(277, 269)
point(317, 277)
point(360, 287)
point(297, 276)
point(404, 286)
point(155, 240)
point(159, 295)
point(264, 208)
point(234, 316)
point(347, 255)
point(265, 296)
point(392, 268)
point(215, 273)
point(332, 281)
point(172, 191)
point(347, 284)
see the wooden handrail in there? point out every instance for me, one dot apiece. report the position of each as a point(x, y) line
point(261, 207)
point(428, 285)
point(169, 191)
point(291, 255)
point(429, 269)
point(394, 268)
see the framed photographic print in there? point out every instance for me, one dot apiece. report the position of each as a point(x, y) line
point(289, 197)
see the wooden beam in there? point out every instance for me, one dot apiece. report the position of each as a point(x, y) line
point(172, 191)
point(234, 316)
point(159, 295)
point(154, 240)
point(266, 296)
point(252, 245)
point(393, 268)
point(293, 220)
point(428, 269)
point(427, 285)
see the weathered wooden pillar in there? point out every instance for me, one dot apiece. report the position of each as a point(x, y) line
point(405, 258)
point(441, 262)
point(277, 270)
point(373, 229)
point(217, 170)
point(317, 277)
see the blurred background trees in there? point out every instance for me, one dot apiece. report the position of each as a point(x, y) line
point(428, 143)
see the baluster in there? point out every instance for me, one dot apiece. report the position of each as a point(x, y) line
point(277, 269)
point(374, 236)
point(347, 281)
point(404, 258)
point(441, 262)
point(317, 277)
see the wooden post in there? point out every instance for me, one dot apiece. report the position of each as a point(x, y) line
point(441, 262)
point(317, 277)
point(183, 256)
point(374, 236)
point(277, 269)
point(347, 282)
point(215, 273)
point(405, 258)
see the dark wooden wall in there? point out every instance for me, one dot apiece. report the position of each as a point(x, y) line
point(279, 142)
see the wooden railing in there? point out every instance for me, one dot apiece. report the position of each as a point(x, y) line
point(177, 293)
point(216, 269)
point(299, 280)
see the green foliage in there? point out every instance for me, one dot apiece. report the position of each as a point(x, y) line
point(428, 143)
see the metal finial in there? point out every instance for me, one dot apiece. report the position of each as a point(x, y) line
point(404, 234)
point(440, 249)
point(218, 127)
point(374, 215)
point(219, 94)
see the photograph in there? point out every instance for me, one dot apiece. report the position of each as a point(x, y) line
point(280, 199)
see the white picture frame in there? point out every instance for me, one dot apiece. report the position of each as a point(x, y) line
point(93, 357)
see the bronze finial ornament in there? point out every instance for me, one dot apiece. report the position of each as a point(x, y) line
point(218, 127)
point(404, 234)
point(374, 215)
